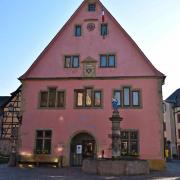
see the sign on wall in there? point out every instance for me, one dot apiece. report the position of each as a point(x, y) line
point(79, 149)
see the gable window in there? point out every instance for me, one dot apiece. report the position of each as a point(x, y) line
point(77, 30)
point(135, 98)
point(52, 98)
point(104, 29)
point(126, 96)
point(88, 97)
point(117, 96)
point(107, 61)
point(178, 118)
point(129, 143)
point(43, 141)
point(71, 62)
point(91, 7)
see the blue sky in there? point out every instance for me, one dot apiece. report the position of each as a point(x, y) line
point(27, 26)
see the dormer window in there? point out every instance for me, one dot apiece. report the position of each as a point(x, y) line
point(91, 7)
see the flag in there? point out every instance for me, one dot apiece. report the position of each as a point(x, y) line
point(103, 18)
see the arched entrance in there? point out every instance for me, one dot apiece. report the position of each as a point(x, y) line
point(82, 146)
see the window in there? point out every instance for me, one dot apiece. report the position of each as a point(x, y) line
point(126, 96)
point(97, 98)
point(92, 7)
point(179, 133)
point(104, 29)
point(44, 99)
point(71, 61)
point(43, 141)
point(135, 98)
point(129, 143)
point(178, 118)
point(117, 95)
point(107, 60)
point(77, 30)
point(52, 98)
point(88, 97)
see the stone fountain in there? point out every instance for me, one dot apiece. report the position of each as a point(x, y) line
point(116, 166)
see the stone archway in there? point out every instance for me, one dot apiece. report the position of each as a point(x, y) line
point(82, 146)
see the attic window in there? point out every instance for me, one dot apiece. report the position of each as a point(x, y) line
point(91, 7)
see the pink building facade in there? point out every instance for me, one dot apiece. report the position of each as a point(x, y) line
point(67, 92)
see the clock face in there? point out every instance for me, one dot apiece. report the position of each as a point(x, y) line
point(90, 26)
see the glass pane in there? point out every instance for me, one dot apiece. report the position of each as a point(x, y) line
point(60, 99)
point(39, 146)
point(67, 61)
point(134, 148)
point(117, 95)
point(126, 96)
point(88, 97)
point(47, 146)
point(124, 148)
point(48, 134)
point(75, 61)
point(111, 61)
point(52, 97)
point(77, 30)
point(44, 99)
point(134, 135)
point(103, 62)
point(97, 98)
point(104, 30)
point(79, 99)
point(135, 98)
point(124, 135)
point(92, 7)
point(39, 134)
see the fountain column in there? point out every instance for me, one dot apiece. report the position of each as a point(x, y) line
point(116, 134)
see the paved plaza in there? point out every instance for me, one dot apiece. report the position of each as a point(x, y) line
point(48, 173)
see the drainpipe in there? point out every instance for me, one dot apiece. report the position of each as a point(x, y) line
point(174, 113)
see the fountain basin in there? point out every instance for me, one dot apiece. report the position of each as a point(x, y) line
point(109, 167)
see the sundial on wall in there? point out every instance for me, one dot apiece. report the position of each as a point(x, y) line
point(89, 67)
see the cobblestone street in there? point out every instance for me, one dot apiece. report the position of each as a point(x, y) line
point(47, 173)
